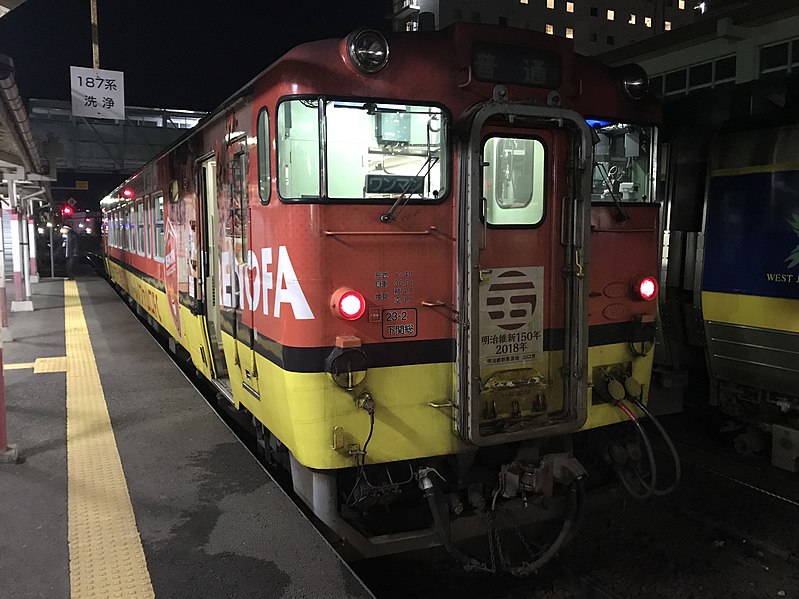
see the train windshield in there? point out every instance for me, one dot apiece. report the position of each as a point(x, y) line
point(623, 162)
point(372, 150)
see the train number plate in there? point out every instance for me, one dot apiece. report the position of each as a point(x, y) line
point(399, 323)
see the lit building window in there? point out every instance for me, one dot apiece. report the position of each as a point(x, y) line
point(667, 26)
point(550, 29)
point(551, 4)
point(631, 20)
point(570, 33)
point(611, 15)
point(570, 7)
point(681, 4)
point(648, 21)
point(524, 1)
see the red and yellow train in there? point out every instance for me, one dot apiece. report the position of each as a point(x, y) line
point(420, 260)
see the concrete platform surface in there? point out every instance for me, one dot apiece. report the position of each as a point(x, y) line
point(211, 521)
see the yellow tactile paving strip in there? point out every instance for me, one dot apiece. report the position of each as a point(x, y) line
point(41, 365)
point(45, 365)
point(106, 558)
point(19, 366)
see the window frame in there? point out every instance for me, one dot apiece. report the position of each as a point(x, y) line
point(140, 241)
point(159, 195)
point(323, 198)
point(147, 227)
point(264, 161)
point(544, 191)
point(133, 249)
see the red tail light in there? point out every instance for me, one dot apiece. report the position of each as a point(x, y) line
point(646, 288)
point(347, 304)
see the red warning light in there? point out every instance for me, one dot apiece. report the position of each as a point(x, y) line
point(127, 192)
point(66, 211)
point(647, 288)
point(348, 304)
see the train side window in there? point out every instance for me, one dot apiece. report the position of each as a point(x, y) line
point(513, 181)
point(298, 149)
point(236, 223)
point(264, 184)
point(158, 226)
point(132, 228)
point(130, 243)
point(148, 214)
point(140, 227)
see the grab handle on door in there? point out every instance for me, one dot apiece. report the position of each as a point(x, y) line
point(484, 217)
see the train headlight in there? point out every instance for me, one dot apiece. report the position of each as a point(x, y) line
point(368, 51)
point(634, 81)
point(645, 288)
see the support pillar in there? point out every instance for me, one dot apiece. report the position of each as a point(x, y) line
point(25, 245)
point(6, 331)
point(34, 268)
point(8, 452)
point(20, 303)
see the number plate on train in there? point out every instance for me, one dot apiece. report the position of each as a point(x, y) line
point(399, 323)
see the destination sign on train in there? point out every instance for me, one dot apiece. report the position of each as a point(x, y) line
point(500, 63)
point(394, 184)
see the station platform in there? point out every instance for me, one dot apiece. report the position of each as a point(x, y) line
point(128, 484)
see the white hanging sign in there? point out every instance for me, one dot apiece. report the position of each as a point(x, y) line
point(511, 316)
point(97, 93)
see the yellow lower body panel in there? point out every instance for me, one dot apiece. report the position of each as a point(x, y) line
point(320, 423)
point(781, 314)
point(603, 414)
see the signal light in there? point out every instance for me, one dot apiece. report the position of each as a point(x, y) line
point(127, 192)
point(66, 211)
point(347, 304)
point(646, 288)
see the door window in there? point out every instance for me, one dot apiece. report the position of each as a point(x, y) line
point(513, 181)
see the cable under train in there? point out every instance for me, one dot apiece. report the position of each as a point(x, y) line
point(425, 264)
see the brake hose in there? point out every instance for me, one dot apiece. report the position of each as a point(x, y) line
point(672, 449)
point(649, 489)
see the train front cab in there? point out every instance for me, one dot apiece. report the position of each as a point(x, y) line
point(525, 320)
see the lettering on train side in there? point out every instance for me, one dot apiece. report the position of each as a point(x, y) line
point(775, 277)
point(283, 284)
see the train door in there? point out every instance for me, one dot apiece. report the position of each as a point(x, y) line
point(212, 269)
point(237, 227)
point(523, 237)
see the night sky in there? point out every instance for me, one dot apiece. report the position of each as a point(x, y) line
point(175, 53)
